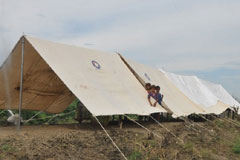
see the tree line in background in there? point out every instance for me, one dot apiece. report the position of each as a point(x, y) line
point(67, 116)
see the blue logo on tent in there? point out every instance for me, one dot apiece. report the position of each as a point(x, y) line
point(96, 64)
point(148, 78)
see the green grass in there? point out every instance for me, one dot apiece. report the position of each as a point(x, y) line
point(206, 153)
point(236, 146)
point(220, 124)
point(6, 148)
point(188, 147)
point(135, 156)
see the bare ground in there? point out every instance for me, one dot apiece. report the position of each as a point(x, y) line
point(205, 140)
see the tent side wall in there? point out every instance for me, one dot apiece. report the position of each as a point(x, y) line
point(42, 88)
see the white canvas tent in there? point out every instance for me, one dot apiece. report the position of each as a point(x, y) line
point(54, 74)
point(174, 99)
point(221, 93)
point(198, 92)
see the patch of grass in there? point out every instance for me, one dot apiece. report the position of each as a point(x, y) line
point(135, 156)
point(188, 147)
point(206, 154)
point(152, 143)
point(236, 146)
point(215, 139)
point(220, 124)
point(6, 148)
point(2, 156)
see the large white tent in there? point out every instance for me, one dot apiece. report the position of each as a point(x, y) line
point(221, 93)
point(199, 92)
point(54, 74)
point(174, 99)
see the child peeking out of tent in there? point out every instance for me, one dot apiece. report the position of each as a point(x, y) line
point(154, 92)
point(151, 94)
point(148, 86)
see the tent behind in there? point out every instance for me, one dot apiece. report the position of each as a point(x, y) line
point(193, 88)
point(221, 93)
point(55, 73)
point(175, 100)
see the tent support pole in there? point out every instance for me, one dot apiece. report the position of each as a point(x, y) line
point(32, 117)
point(120, 122)
point(232, 121)
point(21, 85)
point(206, 119)
point(124, 157)
point(233, 115)
point(199, 124)
point(160, 137)
point(166, 129)
point(191, 124)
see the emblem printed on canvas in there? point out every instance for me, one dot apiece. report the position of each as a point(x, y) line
point(96, 64)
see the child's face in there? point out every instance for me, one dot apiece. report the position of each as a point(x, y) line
point(147, 88)
point(157, 90)
point(153, 90)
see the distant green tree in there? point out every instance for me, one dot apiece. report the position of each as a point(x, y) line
point(43, 117)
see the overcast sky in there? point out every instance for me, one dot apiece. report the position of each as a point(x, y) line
point(198, 37)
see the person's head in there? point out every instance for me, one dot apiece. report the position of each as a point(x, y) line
point(147, 86)
point(153, 87)
point(157, 88)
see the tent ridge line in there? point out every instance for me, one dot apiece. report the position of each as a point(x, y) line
point(19, 41)
point(132, 71)
point(141, 81)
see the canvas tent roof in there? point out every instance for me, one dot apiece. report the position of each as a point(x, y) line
point(175, 100)
point(221, 93)
point(55, 73)
point(198, 92)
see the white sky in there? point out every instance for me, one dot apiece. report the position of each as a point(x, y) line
point(197, 37)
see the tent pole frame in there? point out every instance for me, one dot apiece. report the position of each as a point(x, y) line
point(21, 84)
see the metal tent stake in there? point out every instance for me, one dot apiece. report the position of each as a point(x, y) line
point(21, 85)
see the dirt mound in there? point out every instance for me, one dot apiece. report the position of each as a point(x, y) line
point(207, 140)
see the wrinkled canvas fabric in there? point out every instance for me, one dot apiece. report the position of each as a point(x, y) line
point(54, 74)
point(199, 92)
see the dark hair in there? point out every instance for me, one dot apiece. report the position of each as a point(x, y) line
point(153, 86)
point(150, 88)
point(157, 87)
point(147, 84)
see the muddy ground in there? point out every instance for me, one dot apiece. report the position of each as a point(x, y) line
point(217, 139)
